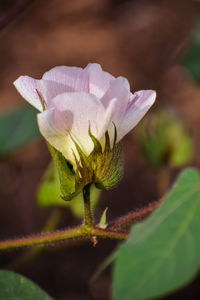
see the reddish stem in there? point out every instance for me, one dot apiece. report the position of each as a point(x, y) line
point(107, 233)
point(136, 214)
point(45, 238)
point(82, 231)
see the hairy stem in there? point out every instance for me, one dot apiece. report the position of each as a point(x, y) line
point(42, 239)
point(106, 233)
point(88, 219)
point(85, 231)
point(132, 216)
point(82, 231)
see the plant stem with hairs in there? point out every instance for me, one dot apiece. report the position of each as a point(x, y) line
point(87, 230)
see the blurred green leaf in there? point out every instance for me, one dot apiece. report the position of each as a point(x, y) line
point(49, 193)
point(162, 253)
point(16, 287)
point(17, 128)
point(192, 58)
point(165, 139)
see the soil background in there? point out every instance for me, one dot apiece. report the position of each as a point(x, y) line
point(143, 40)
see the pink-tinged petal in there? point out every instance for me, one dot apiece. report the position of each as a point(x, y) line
point(50, 89)
point(74, 78)
point(107, 124)
point(71, 116)
point(119, 90)
point(27, 87)
point(51, 127)
point(87, 111)
point(136, 109)
point(99, 81)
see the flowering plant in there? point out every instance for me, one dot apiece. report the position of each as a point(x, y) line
point(73, 99)
point(84, 114)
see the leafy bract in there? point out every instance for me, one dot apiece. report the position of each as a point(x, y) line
point(16, 287)
point(162, 253)
point(49, 193)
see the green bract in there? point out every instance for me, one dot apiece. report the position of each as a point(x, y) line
point(102, 167)
point(48, 193)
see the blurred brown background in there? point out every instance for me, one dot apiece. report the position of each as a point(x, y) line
point(143, 40)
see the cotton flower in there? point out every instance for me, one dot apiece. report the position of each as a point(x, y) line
point(84, 113)
point(77, 100)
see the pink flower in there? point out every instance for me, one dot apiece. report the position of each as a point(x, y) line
point(77, 98)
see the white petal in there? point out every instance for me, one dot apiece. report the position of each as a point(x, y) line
point(119, 90)
point(72, 115)
point(74, 78)
point(50, 89)
point(137, 108)
point(99, 81)
point(27, 87)
point(58, 138)
point(107, 124)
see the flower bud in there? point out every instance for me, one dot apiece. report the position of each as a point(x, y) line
point(165, 139)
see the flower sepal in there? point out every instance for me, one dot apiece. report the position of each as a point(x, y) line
point(106, 163)
point(102, 167)
point(66, 175)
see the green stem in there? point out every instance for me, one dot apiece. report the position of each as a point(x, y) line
point(82, 231)
point(88, 219)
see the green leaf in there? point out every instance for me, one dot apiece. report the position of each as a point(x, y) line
point(192, 58)
point(16, 287)
point(162, 253)
point(49, 193)
point(17, 128)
